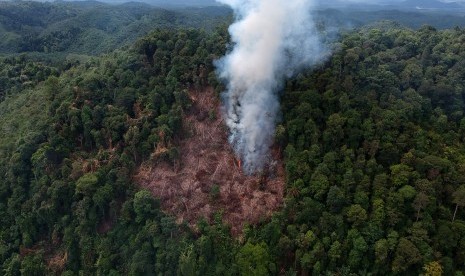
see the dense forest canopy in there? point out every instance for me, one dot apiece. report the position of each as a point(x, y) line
point(372, 142)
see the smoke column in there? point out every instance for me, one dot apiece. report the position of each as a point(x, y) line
point(272, 39)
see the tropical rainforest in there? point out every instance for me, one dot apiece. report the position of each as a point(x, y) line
point(372, 142)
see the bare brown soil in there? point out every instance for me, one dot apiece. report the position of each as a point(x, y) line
point(208, 177)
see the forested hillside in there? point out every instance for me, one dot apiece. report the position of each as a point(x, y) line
point(90, 27)
point(372, 142)
point(375, 156)
point(69, 149)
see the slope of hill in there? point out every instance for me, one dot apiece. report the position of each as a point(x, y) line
point(69, 156)
point(99, 172)
point(373, 156)
point(90, 27)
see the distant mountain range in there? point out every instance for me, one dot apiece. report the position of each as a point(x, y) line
point(457, 6)
point(431, 4)
point(382, 4)
point(171, 3)
point(156, 3)
point(407, 5)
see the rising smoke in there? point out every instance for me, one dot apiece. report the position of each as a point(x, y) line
point(272, 40)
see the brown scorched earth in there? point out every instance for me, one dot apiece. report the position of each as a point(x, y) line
point(207, 178)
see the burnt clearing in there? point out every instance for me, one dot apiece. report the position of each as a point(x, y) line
point(207, 178)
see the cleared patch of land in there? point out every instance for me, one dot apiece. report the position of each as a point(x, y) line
point(207, 178)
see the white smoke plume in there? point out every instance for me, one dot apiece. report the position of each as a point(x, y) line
point(272, 40)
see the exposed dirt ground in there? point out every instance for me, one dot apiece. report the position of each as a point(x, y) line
point(208, 177)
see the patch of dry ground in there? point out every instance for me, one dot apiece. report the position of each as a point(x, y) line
point(208, 178)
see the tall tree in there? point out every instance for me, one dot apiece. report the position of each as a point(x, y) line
point(458, 197)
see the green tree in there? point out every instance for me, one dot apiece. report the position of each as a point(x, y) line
point(254, 259)
point(87, 184)
point(356, 214)
point(144, 205)
point(381, 251)
point(406, 255)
